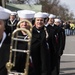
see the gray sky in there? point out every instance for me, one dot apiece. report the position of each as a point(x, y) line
point(70, 4)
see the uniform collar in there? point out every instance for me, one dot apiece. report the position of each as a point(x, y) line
point(52, 25)
point(4, 36)
point(12, 22)
point(38, 31)
point(46, 25)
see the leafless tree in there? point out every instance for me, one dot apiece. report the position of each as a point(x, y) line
point(54, 7)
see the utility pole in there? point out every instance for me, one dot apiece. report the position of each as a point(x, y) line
point(0, 2)
point(3, 3)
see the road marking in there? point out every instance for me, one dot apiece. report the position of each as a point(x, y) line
point(68, 54)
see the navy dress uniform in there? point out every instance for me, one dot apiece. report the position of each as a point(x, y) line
point(4, 42)
point(60, 43)
point(39, 50)
point(61, 37)
point(22, 45)
point(56, 46)
point(52, 41)
point(11, 23)
point(20, 57)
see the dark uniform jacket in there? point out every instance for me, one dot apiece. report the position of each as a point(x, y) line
point(56, 41)
point(60, 47)
point(39, 51)
point(20, 57)
point(4, 55)
point(52, 41)
point(10, 26)
point(62, 40)
point(58, 34)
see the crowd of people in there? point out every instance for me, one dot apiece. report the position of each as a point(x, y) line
point(69, 28)
point(47, 42)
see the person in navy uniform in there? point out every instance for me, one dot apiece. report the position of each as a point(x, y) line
point(61, 42)
point(56, 44)
point(22, 45)
point(4, 42)
point(52, 42)
point(11, 23)
point(39, 49)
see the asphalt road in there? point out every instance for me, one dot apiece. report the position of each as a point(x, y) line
point(67, 65)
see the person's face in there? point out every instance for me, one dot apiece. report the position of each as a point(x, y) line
point(24, 24)
point(51, 20)
point(2, 27)
point(39, 22)
point(12, 17)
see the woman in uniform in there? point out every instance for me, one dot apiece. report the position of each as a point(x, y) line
point(61, 42)
point(22, 45)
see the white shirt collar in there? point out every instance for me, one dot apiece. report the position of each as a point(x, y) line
point(46, 25)
point(38, 31)
point(12, 22)
point(52, 25)
point(4, 36)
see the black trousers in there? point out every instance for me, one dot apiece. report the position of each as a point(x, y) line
point(56, 67)
point(3, 71)
point(40, 63)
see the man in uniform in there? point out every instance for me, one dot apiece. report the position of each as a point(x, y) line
point(39, 50)
point(52, 41)
point(60, 43)
point(4, 42)
point(11, 23)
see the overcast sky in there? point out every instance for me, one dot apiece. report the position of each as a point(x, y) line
point(70, 4)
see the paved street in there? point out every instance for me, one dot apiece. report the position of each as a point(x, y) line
point(68, 58)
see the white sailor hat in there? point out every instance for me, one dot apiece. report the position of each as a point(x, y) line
point(52, 16)
point(25, 14)
point(13, 13)
point(39, 15)
point(4, 13)
point(57, 20)
point(5, 9)
point(45, 14)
